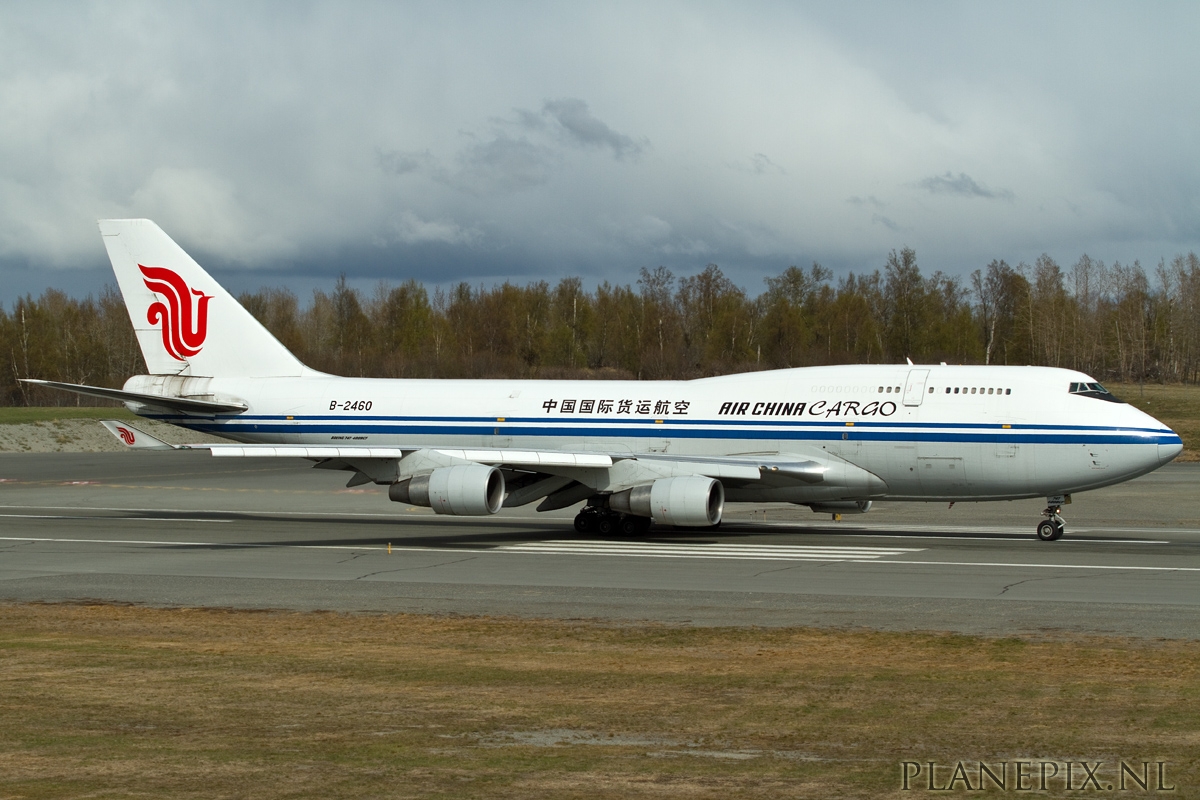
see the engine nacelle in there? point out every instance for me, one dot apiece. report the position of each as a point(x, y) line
point(466, 490)
point(688, 501)
point(841, 507)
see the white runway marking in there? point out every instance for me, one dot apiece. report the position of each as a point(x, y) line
point(219, 545)
point(756, 552)
point(850, 555)
point(122, 519)
point(238, 512)
point(972, 532)
point(1068, 539)
point(858, 529)
point(1118, 568)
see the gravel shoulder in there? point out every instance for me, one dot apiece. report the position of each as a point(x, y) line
point(86, 436)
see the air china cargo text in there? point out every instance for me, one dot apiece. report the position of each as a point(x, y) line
point(821, 408)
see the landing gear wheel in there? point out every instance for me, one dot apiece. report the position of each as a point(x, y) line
point(1052, 527)
point(1050, 530)
point(585, 523)
point(604, 525)
point(631, 525)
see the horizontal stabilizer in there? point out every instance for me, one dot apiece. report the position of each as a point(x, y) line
point(134, 438)
point(182, 404)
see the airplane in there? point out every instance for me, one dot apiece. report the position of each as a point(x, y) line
point(835, 439)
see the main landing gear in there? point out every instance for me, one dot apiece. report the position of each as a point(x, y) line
point(1052, 527)
point(593, 519)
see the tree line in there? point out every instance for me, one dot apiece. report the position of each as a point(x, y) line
point(1114, 322)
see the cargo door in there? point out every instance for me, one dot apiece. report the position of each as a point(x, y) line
point(942, 475)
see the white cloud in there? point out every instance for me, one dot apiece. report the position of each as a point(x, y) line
point(193, 202)
point(411, 229)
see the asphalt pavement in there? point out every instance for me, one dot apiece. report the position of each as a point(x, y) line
point(184, 529)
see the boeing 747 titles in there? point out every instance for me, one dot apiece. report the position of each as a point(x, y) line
point(834, 439)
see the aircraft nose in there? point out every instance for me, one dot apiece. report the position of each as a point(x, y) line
point(1167, 452)
point(1170, 443)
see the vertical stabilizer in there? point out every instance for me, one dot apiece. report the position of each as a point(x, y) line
point(186, 323)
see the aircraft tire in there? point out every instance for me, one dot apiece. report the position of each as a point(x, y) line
point(604, 525)
point(584, 523)
point(631, 525)
point(1047, 531)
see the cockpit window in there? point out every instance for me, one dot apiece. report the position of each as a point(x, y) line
point(1093, 390)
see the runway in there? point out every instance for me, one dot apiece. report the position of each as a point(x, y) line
point(184, 529)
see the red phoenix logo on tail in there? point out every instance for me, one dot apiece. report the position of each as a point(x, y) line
point(126, 435)
point(184, 321)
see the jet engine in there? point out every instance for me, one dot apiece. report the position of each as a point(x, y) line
point(466, 490)
point(841, 507)
point(687, 501)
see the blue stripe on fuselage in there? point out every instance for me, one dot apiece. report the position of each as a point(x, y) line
point(667, 423)
point(785, 431)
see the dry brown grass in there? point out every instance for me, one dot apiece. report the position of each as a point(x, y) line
point(120, 701)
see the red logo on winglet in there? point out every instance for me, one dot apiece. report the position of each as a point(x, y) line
point(184, 320)
point(126, 435)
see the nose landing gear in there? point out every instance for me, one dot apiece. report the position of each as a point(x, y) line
point(1052, 527)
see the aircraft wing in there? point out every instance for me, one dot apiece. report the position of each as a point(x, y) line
point(489, 456)
point(492, 456)
point(553, 475)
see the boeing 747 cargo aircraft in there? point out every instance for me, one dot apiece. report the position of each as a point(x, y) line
point(834, 439)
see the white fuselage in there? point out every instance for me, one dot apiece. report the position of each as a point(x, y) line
point(1007, 432)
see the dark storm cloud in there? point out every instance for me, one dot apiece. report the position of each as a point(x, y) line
point(518, 152)
point(759, 164)
point(581, 127)
point(962, 184)
point(404, 163)
point(504, 164)
point(885, 222)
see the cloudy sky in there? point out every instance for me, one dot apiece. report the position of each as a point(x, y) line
point(290, 142)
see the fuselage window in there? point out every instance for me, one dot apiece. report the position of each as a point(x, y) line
point(931, 390)
point(972, 390)
point(956, 390)
point(947, 390)
point(897, 388)
point(889, 390)
point(1008, 391)
point(881, 390)
point(991, 390)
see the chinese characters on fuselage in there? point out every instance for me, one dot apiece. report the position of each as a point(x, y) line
point(657, 408)
point(745, 408)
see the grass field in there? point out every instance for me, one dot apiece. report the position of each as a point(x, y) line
point(104, 701)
